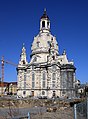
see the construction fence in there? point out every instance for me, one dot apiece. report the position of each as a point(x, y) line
point(81, 110)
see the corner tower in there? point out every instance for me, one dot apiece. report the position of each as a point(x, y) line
point(23, 59)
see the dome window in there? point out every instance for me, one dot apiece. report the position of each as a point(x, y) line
point(38, 44)
point(48, 43)
point(35, 59)
point(43, 24)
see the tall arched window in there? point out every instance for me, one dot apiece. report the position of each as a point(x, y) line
point(53, 80)
point(43, 80)
point(43, 24)
point(24, 81)
point(33, 80)
point(54, 76)
point(48, 24)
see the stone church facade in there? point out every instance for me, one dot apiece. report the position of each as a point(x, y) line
point(48, 74)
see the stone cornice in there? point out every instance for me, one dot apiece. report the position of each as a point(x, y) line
point(68, 66)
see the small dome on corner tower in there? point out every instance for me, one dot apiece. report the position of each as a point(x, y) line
point(44, 15)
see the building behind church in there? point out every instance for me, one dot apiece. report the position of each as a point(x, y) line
point(48, 74)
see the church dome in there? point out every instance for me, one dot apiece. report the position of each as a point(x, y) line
point(41, 43)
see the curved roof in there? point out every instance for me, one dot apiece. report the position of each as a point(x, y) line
point(44, 15)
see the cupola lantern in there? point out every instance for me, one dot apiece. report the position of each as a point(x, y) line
point(44, 22)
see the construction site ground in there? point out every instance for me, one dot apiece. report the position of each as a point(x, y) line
point(13, 108)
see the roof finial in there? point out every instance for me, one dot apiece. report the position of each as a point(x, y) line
point(23, 44)
point(64, 52)
point(44, 10)
point(23, 48)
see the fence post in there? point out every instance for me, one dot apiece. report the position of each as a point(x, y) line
point(75, 112)
point(29, 115)
point(87, 107)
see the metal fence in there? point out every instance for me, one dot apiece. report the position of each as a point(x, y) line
point(81, 110)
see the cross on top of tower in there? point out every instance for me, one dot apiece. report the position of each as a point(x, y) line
point(45, 11)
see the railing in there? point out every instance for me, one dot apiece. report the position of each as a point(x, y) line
point(22, 117)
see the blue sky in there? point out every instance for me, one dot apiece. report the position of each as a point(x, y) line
point(19, 23)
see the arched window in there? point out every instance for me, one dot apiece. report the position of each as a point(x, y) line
point(53, 80)
point(43, 80)
point(43, 92)
point(24, 92)
point(35, 59)
point(48, 24)
point(33, 80)
point(48, 42)
point(24, 81)
point(38, 44)
point(43, 24)
point(54, 76)
point(54, 94)
point(24, 62)
point(43, 76)
point(53, 57)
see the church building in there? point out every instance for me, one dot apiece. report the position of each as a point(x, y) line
point(48, 74)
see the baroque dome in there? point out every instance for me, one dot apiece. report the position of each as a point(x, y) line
point(41, 43)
